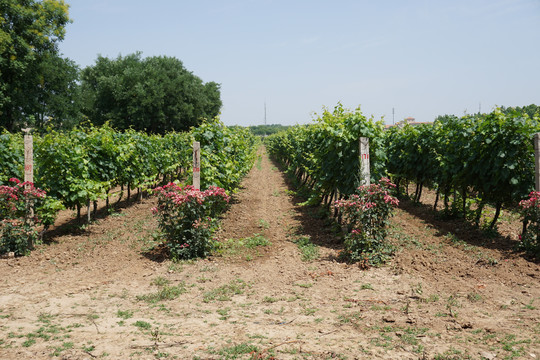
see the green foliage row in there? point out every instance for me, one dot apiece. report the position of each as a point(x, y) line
point(326, 156)
point(327, 151)
point(11, 157)
point(84, 164)
point(227, 154)
point(486, 156)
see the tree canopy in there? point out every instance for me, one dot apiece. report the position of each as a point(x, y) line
point(531, 110)
point(29, 34)
point(153, 94)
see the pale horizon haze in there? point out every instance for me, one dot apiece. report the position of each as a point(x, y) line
point(422, 58)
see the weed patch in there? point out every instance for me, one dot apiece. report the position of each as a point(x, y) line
point(124, 314)
point(165, 293)
point(143, 325)
point(308, 250)
point(232, 352)
point(232, 247)
point(225, 292)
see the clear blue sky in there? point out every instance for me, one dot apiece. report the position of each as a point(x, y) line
point(423, 58)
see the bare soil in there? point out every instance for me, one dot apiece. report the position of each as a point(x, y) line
point(450, 292)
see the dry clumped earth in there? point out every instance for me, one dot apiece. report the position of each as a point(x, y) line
point(450, 292)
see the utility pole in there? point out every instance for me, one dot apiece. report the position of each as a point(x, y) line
point(393, 113)
point(265, 112)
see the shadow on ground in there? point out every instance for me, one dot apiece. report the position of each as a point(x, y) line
point(74, 226)
point(463, 230)
point(315, 221)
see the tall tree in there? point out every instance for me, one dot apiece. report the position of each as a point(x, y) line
point(57, 100)
point(154, 94)
point(29, 34)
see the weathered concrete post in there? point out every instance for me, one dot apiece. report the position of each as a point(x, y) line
point(197, 165)
point(365, 173)
point(537, 161)
point(28, 156)
point(29, 177)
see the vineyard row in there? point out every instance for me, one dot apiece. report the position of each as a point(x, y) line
point(485, 157)
point(78, 167)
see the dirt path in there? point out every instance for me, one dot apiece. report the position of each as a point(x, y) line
point(100, 294)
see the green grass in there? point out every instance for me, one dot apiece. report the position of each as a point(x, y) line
point(65, 346)
point(143, 325)
point(513, 346)
point(530, 306)
point(256, 240)
point(124, 314)
point(89, 348)
point(350, 317)
point(309, 311)
point(29, 342)
point(431, 299)
point(47, 331)
point(453, 354)
point(235, 351)
point(474, 297)
point(308, 250)
point(175, 267)
point(4, 316)
point(224, 313)
point(225, 292)
point(165, 293)
point(263, 224)
point(160, 281)
point(451, 305)
point(233, 247)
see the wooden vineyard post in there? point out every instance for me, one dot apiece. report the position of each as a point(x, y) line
point(537, 161)
point(197, 165)
point(29, 177)
point(365, 174)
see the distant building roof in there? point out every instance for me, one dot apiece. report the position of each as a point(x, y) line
point(416, 123)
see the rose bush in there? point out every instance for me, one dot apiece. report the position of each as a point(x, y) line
point(17, 229)
point(188, 217)
point(530, 211)
point(366, 214)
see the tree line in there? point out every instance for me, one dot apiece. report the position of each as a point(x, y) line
point(42, 89)
point(267, 130)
